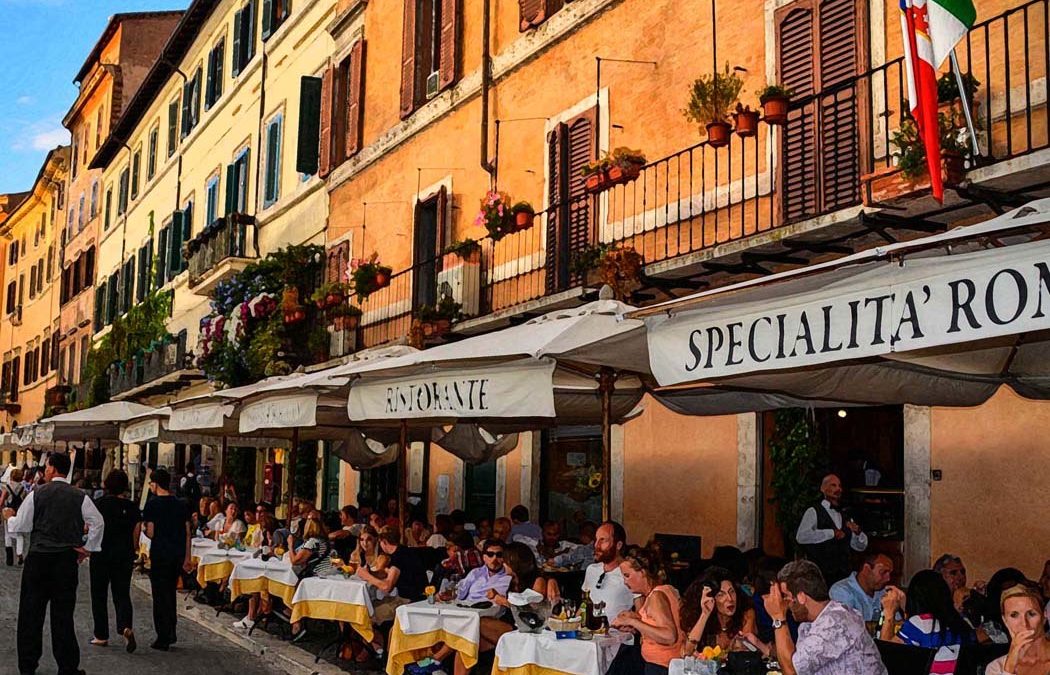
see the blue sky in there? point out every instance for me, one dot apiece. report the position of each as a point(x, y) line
point(44, 44)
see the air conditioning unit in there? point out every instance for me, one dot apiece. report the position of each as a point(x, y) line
point(341, 342)
point(463, 279)
point(432, 85)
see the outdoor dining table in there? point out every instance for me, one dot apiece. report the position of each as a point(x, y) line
point(335, 598)
point(520, 653)
point(421, 625)
point(216, 565)
point(201, 545)
point(255, 575)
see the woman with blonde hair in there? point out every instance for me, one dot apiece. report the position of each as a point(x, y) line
point(655, 616)
point(368, 553)
point(1022, 608)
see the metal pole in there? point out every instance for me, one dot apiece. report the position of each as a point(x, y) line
point(965, 105)
point(714, 37)
point(403, 469)
point(293, 456)
point(495, 160)
point(606, 385)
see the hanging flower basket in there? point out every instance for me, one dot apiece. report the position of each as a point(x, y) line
point(494, 215)
point(368, 276)
point(524, 216)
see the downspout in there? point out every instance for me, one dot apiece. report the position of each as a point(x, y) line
point(486, 85)
point(259, 141)
point(178, 170)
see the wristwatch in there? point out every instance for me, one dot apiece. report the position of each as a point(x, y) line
point(777, 623)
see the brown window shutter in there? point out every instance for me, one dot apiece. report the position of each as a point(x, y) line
point(324, 162)
point(534, 12)
point(798, 148)
point(342, 260)
point(354, 95)
point(443, 224)
point(330, 273)
point(581, 151)
point(839, 123)
point(447, 70)
point(556, 192)
point(408, 60)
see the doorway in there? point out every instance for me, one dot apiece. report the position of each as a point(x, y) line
point(428, 242)
point(569, 494)
point(330, 485)
point(480, 494)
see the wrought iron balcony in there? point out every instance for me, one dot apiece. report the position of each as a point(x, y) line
point(220, 251)
point(162, 369)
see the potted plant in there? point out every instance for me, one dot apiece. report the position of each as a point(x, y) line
point(345, 316)
point(909, 176)
point(294, 312)
point(524, 216)
point(618, 266)
point(774, 99)
point(625, 165)
point(368, 276)
point(710, 100)
point(329, 294)
point(584, 263)
point(436, 321)
point(494, 215)
point(596, 175)
point(950, 101)
point(468, 250)
point(745, 121)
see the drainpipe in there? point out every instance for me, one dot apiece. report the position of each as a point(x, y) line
point(178, 171)
point(486, 85)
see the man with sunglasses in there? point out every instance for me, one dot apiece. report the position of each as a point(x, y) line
point(603, 579)
point(492, 575)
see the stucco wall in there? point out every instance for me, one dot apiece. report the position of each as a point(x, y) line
point(990, 507)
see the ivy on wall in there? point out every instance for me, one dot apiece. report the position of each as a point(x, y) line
point(797, 458)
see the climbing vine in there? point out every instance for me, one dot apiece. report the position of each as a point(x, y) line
point(797, 457)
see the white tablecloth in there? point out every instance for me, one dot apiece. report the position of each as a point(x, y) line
point(216, 564)
point(254, 575)
point(200, 545)
point(422, 617)
point(352, 591)
point(578, 657)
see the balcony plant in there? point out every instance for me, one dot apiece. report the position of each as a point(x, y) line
point(368, 276)
point(625, 165)
point(468, 250)
point(523, 216)
point(710, 100)
point(330, 294)
point(618, 266)
point(344, 316)
point(436, 321)
point(774, 99)
point(951, 103)
point(596, 174)
point(909, 177)
point(494, 215)
point(745, 121)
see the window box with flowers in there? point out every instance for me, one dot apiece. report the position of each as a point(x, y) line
point(625, 165)
point(620, 267)
point(437, 321)
point(368, 276)
point(909, 177)
point(596, 175)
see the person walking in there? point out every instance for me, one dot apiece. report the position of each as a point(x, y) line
point(55, 514)
point(12, 494)
point(111, 568)
point(168, 528)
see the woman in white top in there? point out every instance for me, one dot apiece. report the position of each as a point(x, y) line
point(1022, 607)
point(232, 527)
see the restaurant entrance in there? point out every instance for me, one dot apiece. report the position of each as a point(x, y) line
point(480, 494)
point(570, 477)
point(864, 446)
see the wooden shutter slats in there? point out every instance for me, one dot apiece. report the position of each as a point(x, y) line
point(554, 171)
point(354, 96)
point(798, 148)
point(448, 68)
point(839, 156)
point(531, 13)
point(408, 60)
point(324, 161)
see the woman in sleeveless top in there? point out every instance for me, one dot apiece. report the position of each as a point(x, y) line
point(656, 619)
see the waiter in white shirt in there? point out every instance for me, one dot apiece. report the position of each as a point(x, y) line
point(826, 537)
point(55, 515)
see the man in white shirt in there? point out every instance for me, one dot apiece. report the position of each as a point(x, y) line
point(603, 579)
point(826, 537)
point(55, 514)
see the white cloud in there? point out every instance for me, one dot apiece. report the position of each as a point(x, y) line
point(46, 140)
point(25, 100)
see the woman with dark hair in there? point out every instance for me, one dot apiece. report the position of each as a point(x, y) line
point(111, 567)
point(719, 614)
point(933, 622)
point(992, 628)
point(656, 618)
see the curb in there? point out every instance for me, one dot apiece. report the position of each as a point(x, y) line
point(269, 649)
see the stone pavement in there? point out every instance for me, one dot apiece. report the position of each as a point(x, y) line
point(207, 644)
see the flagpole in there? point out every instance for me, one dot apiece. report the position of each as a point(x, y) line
point(965, 105)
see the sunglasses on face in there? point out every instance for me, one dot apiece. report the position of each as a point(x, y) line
point(493, 554)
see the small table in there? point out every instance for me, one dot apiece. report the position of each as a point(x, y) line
point(335, 598)
point(421, 625)
point(273, 576)
point(520, 653)
point(216, 565)
point(200, 545)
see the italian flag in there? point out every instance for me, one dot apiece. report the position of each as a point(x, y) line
point(931, 29)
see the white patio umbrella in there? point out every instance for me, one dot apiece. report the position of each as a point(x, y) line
point(942, 320)
point(98, 422)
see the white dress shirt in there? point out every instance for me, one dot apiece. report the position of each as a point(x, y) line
point(22, 522)
point(808, 533)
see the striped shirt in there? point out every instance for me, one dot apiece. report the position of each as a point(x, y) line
point(922, 630)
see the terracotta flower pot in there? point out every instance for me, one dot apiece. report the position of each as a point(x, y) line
point(775, 108)
point(746, 123)
point(352, 321)
point(954, 167)
point(382, 279)
point(339, 323)
point(624, 174)
point(718, 134)
point(523, 220)
point(596, 182)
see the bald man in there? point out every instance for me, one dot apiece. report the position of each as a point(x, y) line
point(826, 537)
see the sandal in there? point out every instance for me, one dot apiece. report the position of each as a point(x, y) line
point(99, 643)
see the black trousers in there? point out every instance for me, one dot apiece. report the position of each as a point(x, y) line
point(106, 574)
point(163, 579)
point(48, 578)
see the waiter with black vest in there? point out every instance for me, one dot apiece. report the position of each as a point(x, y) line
point(826, 536)
point(54, 515)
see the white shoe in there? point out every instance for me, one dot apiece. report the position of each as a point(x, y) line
point(244, 623)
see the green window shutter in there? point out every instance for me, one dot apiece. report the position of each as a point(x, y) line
point(173, 126)
point(143, 276)
point(100, 305)
point(235, 62)
point(268, 7)
point(251, 14)
point(113, 297)
point(162, 261)
point(187, 234)
point(231, 188)
point(306, 153)
point(175, 244)
point(273, 160)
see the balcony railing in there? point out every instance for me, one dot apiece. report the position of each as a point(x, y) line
point(214, 254)
point(162, 360)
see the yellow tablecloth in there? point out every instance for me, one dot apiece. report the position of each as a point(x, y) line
point(335, 599)
point(529, 669)
point(217, 565)
point(419, 626)
point(274, 577)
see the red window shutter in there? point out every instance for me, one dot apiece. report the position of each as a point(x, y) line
point(408, 60)
point(839, 126)
point(354, 96)
point(447, 69)
point(798, 147)
point(324, 162)
point(556, 192)
point(342, 261)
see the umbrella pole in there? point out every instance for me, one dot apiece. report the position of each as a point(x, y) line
point(404, 468)
point(293, 456)
point(223, 451)
point(606, 385)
